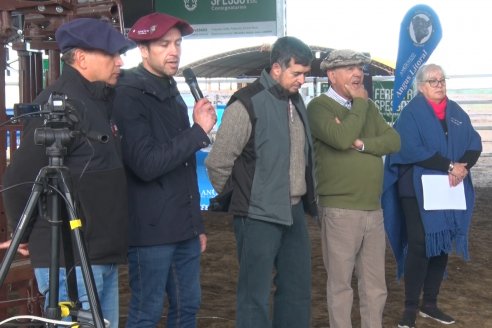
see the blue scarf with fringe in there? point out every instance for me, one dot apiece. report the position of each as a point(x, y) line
point(422, 136)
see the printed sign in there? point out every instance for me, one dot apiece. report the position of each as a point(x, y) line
point(382, 94)
point(228, 18)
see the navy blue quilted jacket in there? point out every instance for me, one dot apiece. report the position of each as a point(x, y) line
point(159, 147)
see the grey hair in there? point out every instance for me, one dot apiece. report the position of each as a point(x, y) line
point(422, 73)
point(69, 56)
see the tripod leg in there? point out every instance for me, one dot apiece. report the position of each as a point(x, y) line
point(53, 310)
point(71, 276)
point(20, 230)
point(75, 225)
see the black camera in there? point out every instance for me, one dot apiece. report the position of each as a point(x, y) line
point(23, 111)
point(59, 120)
point(58, 113)
point(54, 111)
point(59, 124)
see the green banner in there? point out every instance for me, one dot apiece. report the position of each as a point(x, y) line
point(382, 91)
point(227, 18)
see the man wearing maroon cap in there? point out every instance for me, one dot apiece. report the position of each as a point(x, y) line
point(91, 50)
point(166, 235)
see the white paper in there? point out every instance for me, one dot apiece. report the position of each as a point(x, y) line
point(439, 195)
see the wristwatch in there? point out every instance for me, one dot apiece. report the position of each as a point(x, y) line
point(451, 167)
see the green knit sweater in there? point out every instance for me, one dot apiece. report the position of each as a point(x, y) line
point(348, 178)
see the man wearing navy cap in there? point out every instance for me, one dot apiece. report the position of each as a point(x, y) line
point(91, 52)
point(167, 234)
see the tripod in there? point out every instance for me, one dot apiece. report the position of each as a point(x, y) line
point(52, 185)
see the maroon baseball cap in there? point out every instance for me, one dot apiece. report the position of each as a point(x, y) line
point(153, 26)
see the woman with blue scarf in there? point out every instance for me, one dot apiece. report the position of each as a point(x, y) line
point(437, 138)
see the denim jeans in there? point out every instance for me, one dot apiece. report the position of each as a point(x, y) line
point(157, 271)
point(106, 284)
point(265, 248)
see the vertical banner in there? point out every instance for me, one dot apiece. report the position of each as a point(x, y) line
point(420, 32)
point(204, 185)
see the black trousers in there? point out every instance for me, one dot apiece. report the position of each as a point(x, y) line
point(422, 274)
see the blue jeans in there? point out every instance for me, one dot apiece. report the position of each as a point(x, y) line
point(106, 284)
point(157, 271)
point(265, 248)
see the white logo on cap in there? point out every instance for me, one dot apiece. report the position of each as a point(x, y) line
point(141, 32)
point(153, 28)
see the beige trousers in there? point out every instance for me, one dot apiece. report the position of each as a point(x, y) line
point(353, 239)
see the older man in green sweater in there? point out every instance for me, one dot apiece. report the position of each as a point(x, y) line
point(350, 137)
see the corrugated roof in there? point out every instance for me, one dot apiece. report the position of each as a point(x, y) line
point(249, 62)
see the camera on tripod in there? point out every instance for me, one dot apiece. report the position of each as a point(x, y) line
point(56, 112)
point(51, 189)
point(59, 121)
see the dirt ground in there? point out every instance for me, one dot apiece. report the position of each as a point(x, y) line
point(466, 294)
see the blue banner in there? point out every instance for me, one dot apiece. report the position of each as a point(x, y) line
point(204, 185)
point(420, 32)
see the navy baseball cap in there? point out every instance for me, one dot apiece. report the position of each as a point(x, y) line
point(153, 26)
point(92, 34)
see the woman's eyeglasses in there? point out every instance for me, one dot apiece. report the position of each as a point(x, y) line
point(434, 83)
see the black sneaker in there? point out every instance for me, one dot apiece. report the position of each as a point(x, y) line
point(408, 319)
point(433, 312)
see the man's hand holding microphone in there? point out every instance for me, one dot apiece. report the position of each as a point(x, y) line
point(203, 112)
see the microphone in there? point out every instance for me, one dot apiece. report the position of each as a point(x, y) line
point(190, 79)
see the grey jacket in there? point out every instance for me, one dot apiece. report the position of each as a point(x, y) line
point(257, 156)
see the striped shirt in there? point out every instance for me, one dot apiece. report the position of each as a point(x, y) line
point(339, 99)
